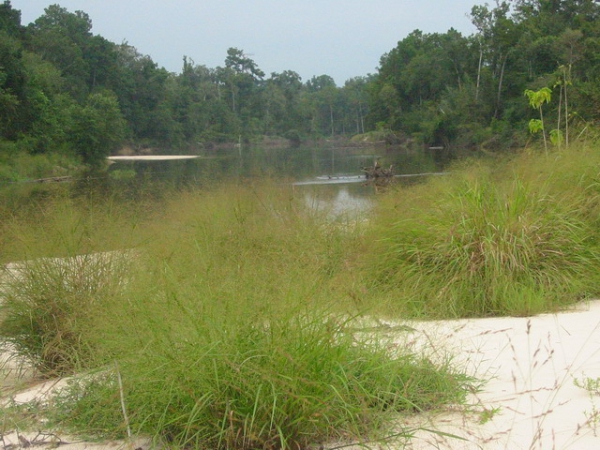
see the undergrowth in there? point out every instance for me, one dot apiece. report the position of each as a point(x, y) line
point(222, 324)
point(227, 313)
point(513, 237)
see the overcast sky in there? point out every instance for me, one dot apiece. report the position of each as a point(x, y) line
point(340, 38)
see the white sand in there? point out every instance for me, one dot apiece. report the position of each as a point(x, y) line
point(531, 365)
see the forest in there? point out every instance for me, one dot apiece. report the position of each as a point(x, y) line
point(530, 72)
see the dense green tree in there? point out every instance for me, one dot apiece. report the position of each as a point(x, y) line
point(62, 37)
point(48, 105)
point(141, 89)
point(240, 77)
point(282, 99)
point(10, 20)
point(321, 98)
point(59, 80)
point(414, 78)
point(96, 128)
point(14, 116)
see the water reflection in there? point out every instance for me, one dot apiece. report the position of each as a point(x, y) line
point(328, 179)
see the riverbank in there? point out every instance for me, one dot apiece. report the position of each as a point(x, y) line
point(536, 369)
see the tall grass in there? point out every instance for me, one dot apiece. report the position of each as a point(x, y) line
point(223, 326)
point(286, 383)
point(514, 237)
point(50, 305)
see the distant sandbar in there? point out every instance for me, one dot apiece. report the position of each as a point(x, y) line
point(151, 157)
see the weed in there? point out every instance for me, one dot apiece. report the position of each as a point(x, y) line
point(592, 385)
point(488, 414)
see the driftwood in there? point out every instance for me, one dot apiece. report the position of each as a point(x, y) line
point(378, 175)
point(53, 179)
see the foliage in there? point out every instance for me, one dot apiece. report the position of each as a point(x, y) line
point(439, 89)
point(531, 45)
point(536, 100)
point(480, 242)
point(97, 128)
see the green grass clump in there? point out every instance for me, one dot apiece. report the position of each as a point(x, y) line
point(490, 241)
point(49, 305)
point(288, 383)
point(67, 256)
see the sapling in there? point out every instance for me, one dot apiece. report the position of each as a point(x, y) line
point(536, 100)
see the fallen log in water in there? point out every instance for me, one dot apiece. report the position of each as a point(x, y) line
point(53, 179)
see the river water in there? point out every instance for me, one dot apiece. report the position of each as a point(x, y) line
point(330, 179)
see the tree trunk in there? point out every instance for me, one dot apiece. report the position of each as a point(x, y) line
point(567, 109)
point(479, 72)
point(331, 117)
point(499, 94)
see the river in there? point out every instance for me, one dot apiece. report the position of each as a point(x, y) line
point(329, 178)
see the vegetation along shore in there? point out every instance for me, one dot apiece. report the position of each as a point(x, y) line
point(227, 309)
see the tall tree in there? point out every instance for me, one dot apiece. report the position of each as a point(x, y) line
point(62, 38)
point(241, 77)
point(10, 20)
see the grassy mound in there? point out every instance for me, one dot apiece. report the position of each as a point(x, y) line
point(515, 237)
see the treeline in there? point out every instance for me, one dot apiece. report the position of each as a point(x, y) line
point(66, 90)
point(469, 91)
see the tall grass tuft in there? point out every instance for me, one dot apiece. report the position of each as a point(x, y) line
point(288, 383)
point(67, 257)
point(498, 239)
point(50, 304)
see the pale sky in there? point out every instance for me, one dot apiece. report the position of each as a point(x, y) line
point(340, 38)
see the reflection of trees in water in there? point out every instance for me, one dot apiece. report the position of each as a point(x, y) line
point(286, 163)
point(153, 179)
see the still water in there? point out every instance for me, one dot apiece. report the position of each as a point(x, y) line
point(329, 179)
